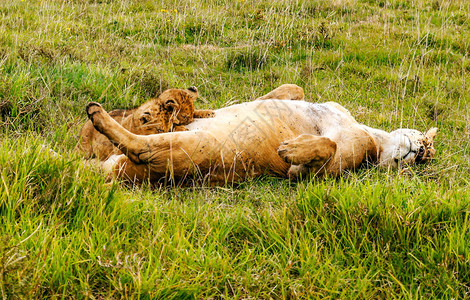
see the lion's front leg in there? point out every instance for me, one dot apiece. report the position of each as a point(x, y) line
point(307, 153)
point(285, 92)
point(203, 113)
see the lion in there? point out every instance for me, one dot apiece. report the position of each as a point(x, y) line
point(285, 138)
point(170, 111)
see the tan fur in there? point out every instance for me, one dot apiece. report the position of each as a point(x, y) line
point(170, 111)
point(277, 137)
point(285, 92)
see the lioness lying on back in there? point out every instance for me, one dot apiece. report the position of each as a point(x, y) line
point(170, 111)
point(287, 138)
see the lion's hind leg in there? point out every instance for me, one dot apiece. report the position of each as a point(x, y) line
point(152, 156)
point(307, 153)
point(129, 143)
point(121, 167)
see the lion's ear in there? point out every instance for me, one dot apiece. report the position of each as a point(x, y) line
point(431, 133)
point(171, 105)
point(192, 90)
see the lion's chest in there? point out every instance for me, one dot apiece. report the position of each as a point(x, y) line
point(354, 147)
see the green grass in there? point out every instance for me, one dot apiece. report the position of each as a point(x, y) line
point(374, 233)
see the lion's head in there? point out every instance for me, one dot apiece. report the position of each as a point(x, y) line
point(408, 146)
point(158, 115)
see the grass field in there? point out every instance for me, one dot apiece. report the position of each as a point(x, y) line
point(374, 233)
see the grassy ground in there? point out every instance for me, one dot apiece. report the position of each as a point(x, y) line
point(369, 234)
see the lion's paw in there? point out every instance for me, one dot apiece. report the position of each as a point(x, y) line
point(179, 128)
point(93, 108)
point(203, 113)
point(97, 115)
point(288, 151)
point(307, 149)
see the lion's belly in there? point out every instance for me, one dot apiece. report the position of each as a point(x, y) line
point(249, 134)
point(270, 113)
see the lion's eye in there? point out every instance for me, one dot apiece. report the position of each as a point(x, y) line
point(145, 117)
point(421, 151)
point(170, 105)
